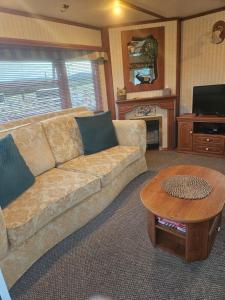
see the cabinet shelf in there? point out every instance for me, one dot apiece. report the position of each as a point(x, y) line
point(171, 231)
point(193, 245)
point(171, 243)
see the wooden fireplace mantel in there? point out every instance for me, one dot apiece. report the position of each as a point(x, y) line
point(164, 102)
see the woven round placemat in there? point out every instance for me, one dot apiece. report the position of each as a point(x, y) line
point(187, 187)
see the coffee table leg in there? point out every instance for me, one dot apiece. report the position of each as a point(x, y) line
point(197, 241)
point(151, 228)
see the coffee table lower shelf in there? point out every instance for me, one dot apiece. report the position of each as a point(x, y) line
point(193, 245)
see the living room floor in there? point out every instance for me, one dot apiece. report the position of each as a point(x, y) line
point(112, 254)
point(157, 160)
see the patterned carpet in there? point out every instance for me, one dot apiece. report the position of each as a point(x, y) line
point(112, 255)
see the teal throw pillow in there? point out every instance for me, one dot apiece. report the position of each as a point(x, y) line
point(15, 176)
point(97, 132)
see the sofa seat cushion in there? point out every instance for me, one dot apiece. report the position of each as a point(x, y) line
point(106, 164)
point(53, 193)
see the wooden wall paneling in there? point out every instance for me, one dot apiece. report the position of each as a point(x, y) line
point(178, 67)
point(108, 73)
point(202, 62)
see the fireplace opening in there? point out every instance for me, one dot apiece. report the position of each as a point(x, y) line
point(153, 134)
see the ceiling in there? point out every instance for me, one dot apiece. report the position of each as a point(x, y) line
point(99, 12)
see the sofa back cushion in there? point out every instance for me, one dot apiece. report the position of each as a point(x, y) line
point(64, 138)
point(34, 147)
point(16, 177)
point(97, 132)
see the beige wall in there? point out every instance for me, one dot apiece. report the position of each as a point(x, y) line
point(202, 62)
point(12, 26)
point(170, 57)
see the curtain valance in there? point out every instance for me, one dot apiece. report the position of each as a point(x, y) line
point(26, 53)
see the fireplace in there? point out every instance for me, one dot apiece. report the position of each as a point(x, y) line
point(154, 133)
point(159, 109)
point(156, 124)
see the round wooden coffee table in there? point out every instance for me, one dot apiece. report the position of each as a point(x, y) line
point(201, 218)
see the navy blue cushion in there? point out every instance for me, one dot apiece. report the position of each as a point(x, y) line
point(97, 132)
point(15, 176)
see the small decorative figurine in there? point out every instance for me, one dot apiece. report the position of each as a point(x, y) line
point(121, 94)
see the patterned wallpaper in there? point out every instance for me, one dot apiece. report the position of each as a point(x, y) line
point(12, 26)
point(170, 57)
point(202, 62)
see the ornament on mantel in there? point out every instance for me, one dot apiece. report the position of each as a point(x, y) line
point(121, 93)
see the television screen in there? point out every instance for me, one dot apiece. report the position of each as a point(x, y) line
point(209, 100)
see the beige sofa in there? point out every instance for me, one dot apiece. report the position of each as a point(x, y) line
point(70, 188)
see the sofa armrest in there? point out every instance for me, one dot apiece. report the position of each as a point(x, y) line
point(131, 133)
point(3, 236)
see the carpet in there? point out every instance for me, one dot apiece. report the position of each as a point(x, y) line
point(112, 255)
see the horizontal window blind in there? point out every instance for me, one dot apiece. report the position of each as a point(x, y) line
point(83, 88)
point(28, 88)
point(32, 87)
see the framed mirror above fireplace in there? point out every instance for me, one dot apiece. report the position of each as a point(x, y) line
point(143, 59)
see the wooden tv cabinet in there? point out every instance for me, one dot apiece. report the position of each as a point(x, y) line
point(201, 134)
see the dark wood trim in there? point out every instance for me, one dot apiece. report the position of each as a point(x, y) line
point(46, 18)
point(154, 99)
point(178, 67)
point(97, 87)
point(63, 84)
point(108, 73)
point(205, 13)
point(206, 118)
point(24, 42)
point(142, 22)
point(141, 9)
point(178, 77)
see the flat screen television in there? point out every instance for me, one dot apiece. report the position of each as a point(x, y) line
point(209, 100)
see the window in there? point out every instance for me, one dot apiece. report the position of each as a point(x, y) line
point(83, 84)
point(27, 88)
point(31, 87)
